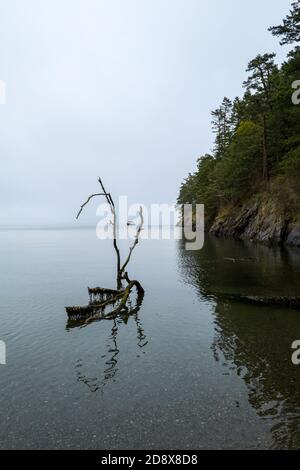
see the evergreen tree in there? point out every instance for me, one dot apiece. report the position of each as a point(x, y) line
point(289, 30)
point(222, 125)
point(238, 113)
point(262, 70)
point(217, 129)
point(260, 81)
point(259, 130)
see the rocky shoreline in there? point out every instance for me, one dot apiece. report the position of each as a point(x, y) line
point(263, 221)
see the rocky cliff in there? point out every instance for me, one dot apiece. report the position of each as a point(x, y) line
point(262, 219)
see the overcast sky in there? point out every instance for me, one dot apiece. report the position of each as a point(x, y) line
point(117, 88)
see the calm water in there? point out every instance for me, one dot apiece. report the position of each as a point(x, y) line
point(189, 370)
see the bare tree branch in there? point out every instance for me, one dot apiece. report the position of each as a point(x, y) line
point(87, 201)
point(100, 298)
point(111, 204)
point(117, 250)
point(136, 240)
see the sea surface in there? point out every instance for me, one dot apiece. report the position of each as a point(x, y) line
point(190, 368)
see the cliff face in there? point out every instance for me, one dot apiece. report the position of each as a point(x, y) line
point(262, 219)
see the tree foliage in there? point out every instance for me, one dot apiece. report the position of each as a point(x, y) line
point(257, 136)
point(289, 30)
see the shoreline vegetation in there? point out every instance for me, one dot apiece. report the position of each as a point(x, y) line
point(250, 184)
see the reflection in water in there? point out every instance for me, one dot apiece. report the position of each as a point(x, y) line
point(110, 370)
point(254, 341)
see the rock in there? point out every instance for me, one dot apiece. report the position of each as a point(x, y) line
point(293, 237)
point(263, 221)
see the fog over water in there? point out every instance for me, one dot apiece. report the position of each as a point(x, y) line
point(120, 88)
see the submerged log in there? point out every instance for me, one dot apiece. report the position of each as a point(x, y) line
point(100, 294)
point(119, 297)
point(289, 302)
point(78, 311)
point(280, 301)
point(95, 307)
point(80, 321)
point(102, 290)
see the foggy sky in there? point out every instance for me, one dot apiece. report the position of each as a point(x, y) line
point(117, 88)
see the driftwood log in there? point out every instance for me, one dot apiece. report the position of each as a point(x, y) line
point(279, 301)
point(101, 298)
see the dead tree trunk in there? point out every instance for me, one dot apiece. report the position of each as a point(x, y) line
point(100, 297)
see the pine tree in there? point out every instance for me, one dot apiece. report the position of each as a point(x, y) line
point(222, 126)
point(263, 70)
point(289, 30)
point(237, 113)
point(260, 82)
